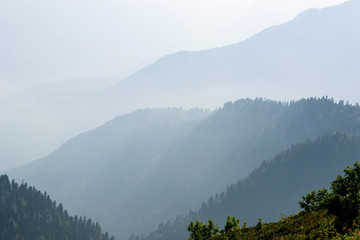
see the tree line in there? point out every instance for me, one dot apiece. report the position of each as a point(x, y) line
point(26, 213)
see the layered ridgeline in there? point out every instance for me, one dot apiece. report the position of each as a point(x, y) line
point(316, 54)
point(274, 188)
point(151, 170)
point(26, 213)
point(231, 143)
point(95, 172)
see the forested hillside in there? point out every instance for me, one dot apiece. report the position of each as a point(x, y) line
point(154, 160)
point(231, 143)
point(145, 159)
point(27, 214)
point(95, 172)
point(332, 213)
point(275, 187)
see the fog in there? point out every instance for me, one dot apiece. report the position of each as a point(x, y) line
point(44, 41)
point(132, 112)
point(53, 41)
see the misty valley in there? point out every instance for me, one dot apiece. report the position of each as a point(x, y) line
point(255, 140)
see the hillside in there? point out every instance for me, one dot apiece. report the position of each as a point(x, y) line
point(116, 155)
point(275, 187)
point(26, 213)
point(199, 157)
point(332, 213)
point(315, 54)
point(314, 225)
point(230, 144)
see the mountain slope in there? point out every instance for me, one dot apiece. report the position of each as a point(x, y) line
point(233, 141)
point(316, 54)
point(116, 155)
point(276, 186)
point(146, 161)
point(26, 213)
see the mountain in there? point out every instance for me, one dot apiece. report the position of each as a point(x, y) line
point(26, 213)
point(46, 42)
point(232, 142)
point(316, 54)
point(146, 161)
point(118, 154)
point(275, 187)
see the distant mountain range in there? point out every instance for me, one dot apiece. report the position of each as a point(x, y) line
point(147, 167)
point(155, 164)
point(316, 54)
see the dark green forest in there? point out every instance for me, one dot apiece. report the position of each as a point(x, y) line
point(327, 214)
point(28, 214)
point(274, 188)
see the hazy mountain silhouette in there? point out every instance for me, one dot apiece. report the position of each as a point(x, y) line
point(229, 144)
point(154, 164)
point(316, 54)
point(113, 157)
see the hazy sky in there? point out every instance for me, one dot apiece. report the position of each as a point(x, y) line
point(220, 22)
point(43, 40)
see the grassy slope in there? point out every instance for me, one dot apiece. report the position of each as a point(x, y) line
point(312, 225)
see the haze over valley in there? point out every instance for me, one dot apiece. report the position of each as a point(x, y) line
point(285, 62)
point(143, 128)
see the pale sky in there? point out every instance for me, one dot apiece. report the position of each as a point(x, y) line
point(216, 23)
point(43, 40)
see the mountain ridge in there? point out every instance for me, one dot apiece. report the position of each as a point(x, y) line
point(145, 166)
point(274, 188)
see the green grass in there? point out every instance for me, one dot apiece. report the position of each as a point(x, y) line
point(311, 225)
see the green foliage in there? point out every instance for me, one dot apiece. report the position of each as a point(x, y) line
point(259, 224)
point(311, 201)
point(26, 213)
point(343, 201)
point(201, 231)
point(232, 224)
point(306, 225)
point(327, 215)
point(244, 226)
